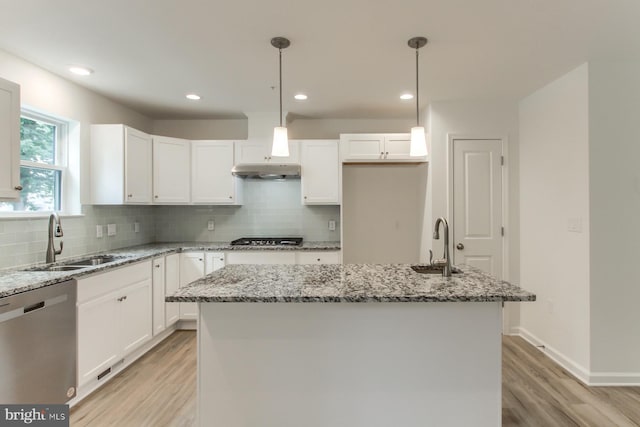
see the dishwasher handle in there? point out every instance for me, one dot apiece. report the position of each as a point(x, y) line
point(33, 307)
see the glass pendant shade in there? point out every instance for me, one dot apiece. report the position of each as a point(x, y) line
point(418, 146)
point(280, 147)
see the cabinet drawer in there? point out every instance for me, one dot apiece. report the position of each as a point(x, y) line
point(112, 280)
point(320, 257)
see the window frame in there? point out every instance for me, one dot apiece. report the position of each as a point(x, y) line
point(61, 161)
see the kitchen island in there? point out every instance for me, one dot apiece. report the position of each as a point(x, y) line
point(348, 345)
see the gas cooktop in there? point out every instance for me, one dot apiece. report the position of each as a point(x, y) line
point(268, 241)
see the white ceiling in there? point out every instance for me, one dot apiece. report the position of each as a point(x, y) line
point(350, 56)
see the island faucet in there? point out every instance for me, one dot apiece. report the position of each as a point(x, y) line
point(55, 230)
point(445, 262)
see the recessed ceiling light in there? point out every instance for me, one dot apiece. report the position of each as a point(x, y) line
point(193, 96)
point(406, 96)
point(300, 96)
point(81, 71)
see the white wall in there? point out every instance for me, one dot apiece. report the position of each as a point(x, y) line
point(554, 189)
point(479, 118)
point(614, 133)
point(202, 129)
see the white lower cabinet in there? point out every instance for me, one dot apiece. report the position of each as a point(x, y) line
point(261, 257)
point(171, 285)
point(319, 257)
point(159, 277)
point(191, 269)
point(114, 312)
point(214, 261)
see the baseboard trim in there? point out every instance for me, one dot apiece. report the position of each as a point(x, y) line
point(567, 363)
point(593, 379)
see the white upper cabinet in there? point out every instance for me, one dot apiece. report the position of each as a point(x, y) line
point(171, 166)
point(9, 140)
point(259, 151)
point(211, 179)
point(320, 172)
point(121, 162)
point(377, 148)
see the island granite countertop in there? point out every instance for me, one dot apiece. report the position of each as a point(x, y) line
point(22, 279)
point(346, 283)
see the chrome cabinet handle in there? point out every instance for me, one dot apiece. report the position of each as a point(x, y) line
point(156, 196)
point(129, 195)
point(460, 246)
point(157, 265)
point(231, 197)
point(18, 187)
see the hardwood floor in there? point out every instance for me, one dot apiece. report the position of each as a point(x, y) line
point(160, 390)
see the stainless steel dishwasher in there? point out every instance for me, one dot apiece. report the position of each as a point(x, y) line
point(38, 345)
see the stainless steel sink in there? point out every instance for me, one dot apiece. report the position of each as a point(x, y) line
point(98, 260)
point(432, 269)
point(78, 264)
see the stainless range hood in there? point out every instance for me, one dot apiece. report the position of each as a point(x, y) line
point(266, 171)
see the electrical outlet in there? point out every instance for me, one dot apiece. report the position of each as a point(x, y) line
point(210, 225)
point(99, 231)
point(111, 229)
point(332, 225)
point(136, 227)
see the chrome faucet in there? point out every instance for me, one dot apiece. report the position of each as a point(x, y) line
point(55, 230)
point(445, 262)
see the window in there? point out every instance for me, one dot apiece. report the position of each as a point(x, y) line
point(43, 164)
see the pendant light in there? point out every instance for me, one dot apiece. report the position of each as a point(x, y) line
point(280, 147)
point(418, 146)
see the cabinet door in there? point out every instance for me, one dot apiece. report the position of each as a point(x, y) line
point(320, 257)
point(320, 175)
point(361, 147)
point(397, 146)
point(191, 269)
point(135, 316)
point(98, 333)
point(9, 140)
point(261, 257)
point(255, 151)
point(211, 179)
point(171, 285)
point(259, 151)
point(214, 261)
point(159, 278)
point(137, 179)
point(171, 170)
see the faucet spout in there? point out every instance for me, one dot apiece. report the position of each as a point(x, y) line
point(446, 259)
point(55, 230)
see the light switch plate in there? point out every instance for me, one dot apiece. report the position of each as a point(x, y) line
point(210, 225)
point(99, 231)
point(111, 229)
point(136, 227)
point(332, 225)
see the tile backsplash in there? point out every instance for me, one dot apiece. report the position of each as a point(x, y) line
point(24, 241)
point(271, 208)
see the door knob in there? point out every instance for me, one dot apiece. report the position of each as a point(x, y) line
point(460, 246)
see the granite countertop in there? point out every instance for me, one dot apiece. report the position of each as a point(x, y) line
point(346, 283)
point(14, 281)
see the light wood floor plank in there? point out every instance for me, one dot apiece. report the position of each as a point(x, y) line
point(160, 390)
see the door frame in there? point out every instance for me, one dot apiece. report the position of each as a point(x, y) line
point(451, 137)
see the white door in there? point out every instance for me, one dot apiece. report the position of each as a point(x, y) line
point(136, 318)
point(477, 204)
point(359, 147)
point(158, 295)
point(255, 151)
point(137, 166)
point(211, 179)
point(171, 166)
point(191, 269)
point(397, 147)
point(214, 261)
point(320, 174)
point(171, 284)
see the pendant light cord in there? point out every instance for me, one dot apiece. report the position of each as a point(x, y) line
point(417, 93)
point(280, 68)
